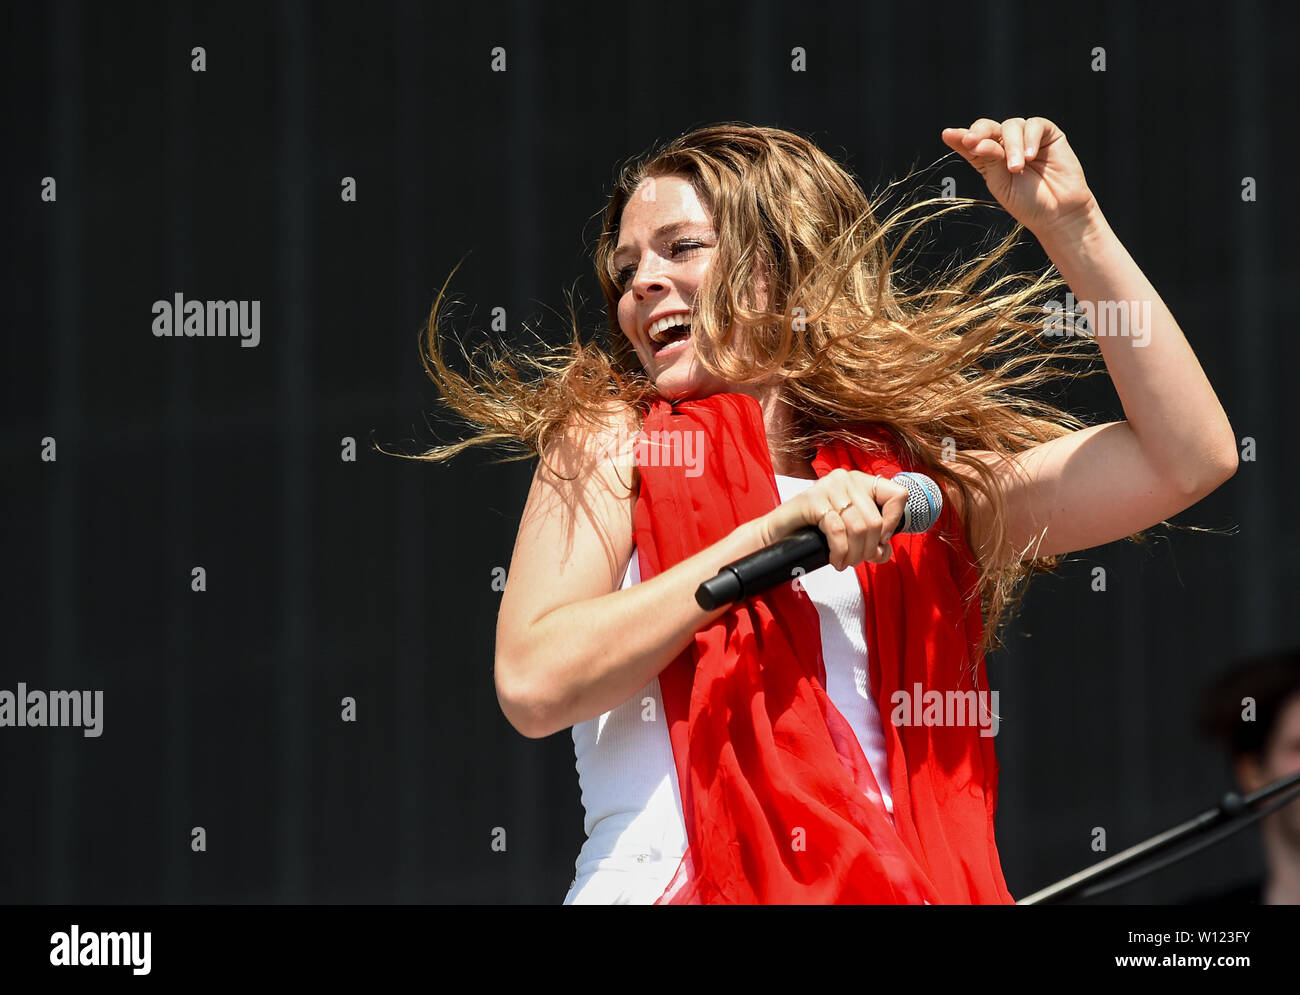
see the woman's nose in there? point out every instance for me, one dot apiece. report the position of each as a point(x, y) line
point(648, 282)
point(649, 276)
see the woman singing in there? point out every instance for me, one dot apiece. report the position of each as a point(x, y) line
point(769, 368)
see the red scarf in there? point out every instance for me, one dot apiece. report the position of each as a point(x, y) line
point(780, 804)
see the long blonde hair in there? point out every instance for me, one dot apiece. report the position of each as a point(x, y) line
point(943, 365)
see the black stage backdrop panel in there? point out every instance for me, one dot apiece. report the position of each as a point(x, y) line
point(292, 648)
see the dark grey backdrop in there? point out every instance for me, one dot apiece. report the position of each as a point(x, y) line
point(373, 579)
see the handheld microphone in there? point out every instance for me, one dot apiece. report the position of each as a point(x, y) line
point(807, 549)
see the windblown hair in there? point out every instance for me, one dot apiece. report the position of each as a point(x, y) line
point(944, 365)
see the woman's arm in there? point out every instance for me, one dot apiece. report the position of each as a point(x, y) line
point(1176, 446)
point(569, 645)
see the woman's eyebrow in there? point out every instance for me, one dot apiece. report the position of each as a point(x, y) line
point(663, 231)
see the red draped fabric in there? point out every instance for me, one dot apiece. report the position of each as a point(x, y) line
point(780, 804)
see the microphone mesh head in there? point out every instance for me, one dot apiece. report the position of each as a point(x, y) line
point(924, 502)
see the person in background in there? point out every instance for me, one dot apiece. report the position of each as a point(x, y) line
point(1254, 709)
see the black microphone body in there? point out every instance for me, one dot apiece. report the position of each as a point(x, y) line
point(808, 549)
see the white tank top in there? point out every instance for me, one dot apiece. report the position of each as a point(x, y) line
point(636, 833)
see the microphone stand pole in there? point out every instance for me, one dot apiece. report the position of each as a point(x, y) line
point(1231, 815)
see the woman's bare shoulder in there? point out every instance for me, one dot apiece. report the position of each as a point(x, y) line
point(597, 444)
point(576, 532)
